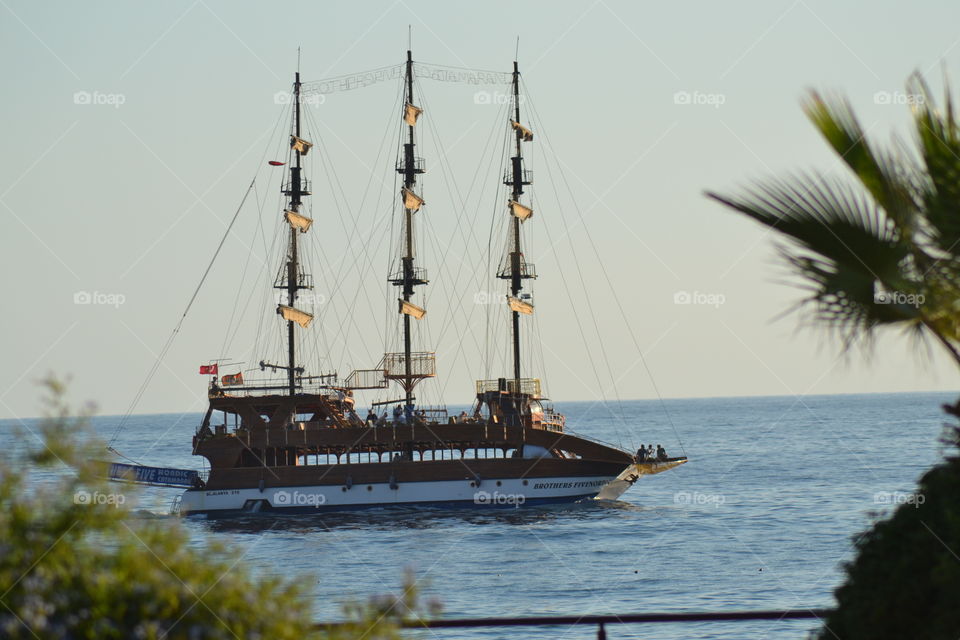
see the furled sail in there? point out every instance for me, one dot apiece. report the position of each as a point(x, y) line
point(411, 113)
point(525, 133)
point(520, 211)
point(301, 145)
point(298, 221)
point(518, 305)
point(411, 200)
point(412, 310)
point(302, 318)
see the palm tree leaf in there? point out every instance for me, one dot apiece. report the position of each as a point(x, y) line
point(844, 248)
point(886, 176)
point(938, 139)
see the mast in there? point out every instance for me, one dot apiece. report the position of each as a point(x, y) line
point(290, 279)
point(516, 285)
point(292, 263)
point(516, 270)
point(409, 180)
point(408, 367)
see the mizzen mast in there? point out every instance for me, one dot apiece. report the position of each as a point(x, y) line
point(516, 269)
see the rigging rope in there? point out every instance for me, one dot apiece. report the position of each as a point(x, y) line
point(183, 317)
point(606, 276)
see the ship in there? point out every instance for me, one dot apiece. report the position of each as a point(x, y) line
point(294, 443)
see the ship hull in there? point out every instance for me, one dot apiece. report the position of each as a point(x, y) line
point(452, 493)
point(494, 493)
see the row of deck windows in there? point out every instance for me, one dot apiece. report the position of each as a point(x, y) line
point(429, 454)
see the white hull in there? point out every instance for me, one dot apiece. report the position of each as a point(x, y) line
point(490, 493)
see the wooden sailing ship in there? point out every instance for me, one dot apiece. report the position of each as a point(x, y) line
point(299, 446)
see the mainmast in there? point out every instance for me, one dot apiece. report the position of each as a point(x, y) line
point(409, 180)
point(517, 270)
point(413, 367)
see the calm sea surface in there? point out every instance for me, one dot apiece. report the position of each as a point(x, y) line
point(761, 517)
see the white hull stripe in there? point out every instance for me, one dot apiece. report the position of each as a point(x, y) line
point(506, 492)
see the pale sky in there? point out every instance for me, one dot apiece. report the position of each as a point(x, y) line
point(132, 130)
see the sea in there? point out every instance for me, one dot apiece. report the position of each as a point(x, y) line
point(763, 516)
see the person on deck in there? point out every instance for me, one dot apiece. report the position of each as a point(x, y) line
point(661, 453)
point(650, 452)
point(398, 417)
point(462, 418)
point(382, 421)
point(641, 454)
point(371, 417)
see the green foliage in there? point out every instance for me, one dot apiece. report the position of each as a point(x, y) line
point(906, 576)
point(881, 251)
point(74, 563)
point(884, 251)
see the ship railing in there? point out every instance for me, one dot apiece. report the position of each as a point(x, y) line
point(259, 387)
point(366, 379)
point(420, 276)
point(526, 176)
point(438, 415)
point(419, 166)
point(528, 386)
point(423, 364)
point(305, 187)
point(553, 421)
point(527, 270)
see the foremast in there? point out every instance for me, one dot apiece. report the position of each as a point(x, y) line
point(291, 279)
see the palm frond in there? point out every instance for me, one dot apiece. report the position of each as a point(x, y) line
point(887, 176)
point(847, 253)
point(938, 140)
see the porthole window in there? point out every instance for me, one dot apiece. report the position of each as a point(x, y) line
point(369, 487)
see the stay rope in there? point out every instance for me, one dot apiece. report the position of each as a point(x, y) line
point(176, 330)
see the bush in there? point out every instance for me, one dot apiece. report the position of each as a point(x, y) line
point(74, 563)
point(905, 579)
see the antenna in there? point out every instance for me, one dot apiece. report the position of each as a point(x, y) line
point(298, 59)
point(516, 56)
point(409, 37)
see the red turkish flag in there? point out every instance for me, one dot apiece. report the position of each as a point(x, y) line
point(208, 369)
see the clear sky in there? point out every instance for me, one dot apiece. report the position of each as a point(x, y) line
point(130, 131)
